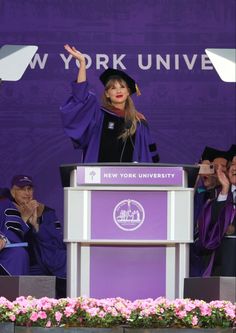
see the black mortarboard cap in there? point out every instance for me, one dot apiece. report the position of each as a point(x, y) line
point(232, 152)
point(210, 154)
point(111, 72)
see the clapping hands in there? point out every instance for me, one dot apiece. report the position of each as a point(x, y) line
point(27, 209)
point(223, 179)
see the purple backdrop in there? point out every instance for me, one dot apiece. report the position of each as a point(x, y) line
point(187, 104)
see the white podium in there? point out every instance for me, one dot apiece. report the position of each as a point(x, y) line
point(127, 230)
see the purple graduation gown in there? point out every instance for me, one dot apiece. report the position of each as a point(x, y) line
point(47, 246)
point(211, 234)
point(13, 261)
point(82, 119)
point(199, 260)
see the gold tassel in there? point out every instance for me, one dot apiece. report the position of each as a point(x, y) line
point(138, 92)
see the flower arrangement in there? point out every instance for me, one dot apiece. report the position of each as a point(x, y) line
point(111, 312)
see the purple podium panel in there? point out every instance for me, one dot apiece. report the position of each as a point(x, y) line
point(132, 175)
point(130, 215)
point(128, 272)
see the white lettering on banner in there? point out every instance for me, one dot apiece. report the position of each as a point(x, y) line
point(117, 61)
point(140, 175)
point(176, 61)
point(37, 60)
point(88, 63)
point(128, 175)
point(140, 62)
point(156, 175)
point(66, 60)
point(206, 63)
point(145, 62)
point(190, 64)
point(110, 175)
point(164, 62)
point(102, 60)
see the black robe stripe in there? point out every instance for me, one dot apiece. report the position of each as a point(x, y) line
point(12, 212)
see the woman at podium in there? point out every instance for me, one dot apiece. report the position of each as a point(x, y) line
point(114, 132)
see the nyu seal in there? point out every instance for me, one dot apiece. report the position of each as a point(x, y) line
point(128, 215)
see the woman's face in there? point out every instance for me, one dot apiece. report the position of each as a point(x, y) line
point(118, 93)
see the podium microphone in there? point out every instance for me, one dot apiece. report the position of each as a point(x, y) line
point(127, 127)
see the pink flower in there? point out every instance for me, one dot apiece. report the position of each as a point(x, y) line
point(145, 312)
point(34, 316)
point(194, 321)
point(42, 314)
point(230, 313)
point(161, 310)
point(114, 312)
point(93, 311)
point(189, 306)
point(58, 316)
point(101, 314)
point(181, 314)
point(12, 317)
point(49, 324)
point(205, 310)
point(69, 311)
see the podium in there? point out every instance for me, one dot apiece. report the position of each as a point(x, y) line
point(127, 229)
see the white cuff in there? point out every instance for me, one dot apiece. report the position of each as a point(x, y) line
point(222, 197)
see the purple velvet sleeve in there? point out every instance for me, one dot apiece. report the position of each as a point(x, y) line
point(11, 224)
point(15, 261)
point(142, 143)
point(52, 250)
point(80, 115)
point(211, 232)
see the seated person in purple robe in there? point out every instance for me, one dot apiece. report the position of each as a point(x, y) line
point(13, 261)
point(113, 132)
point(206, 188)
point(217, 225)
point(24, 219)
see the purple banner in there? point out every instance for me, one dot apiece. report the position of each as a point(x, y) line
point(167, 176)
point(129, 215)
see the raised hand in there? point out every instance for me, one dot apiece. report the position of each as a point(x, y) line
point(223, 179)
point(80, 57)
point(75, 53)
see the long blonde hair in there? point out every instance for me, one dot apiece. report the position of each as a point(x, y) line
point(131, 114)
